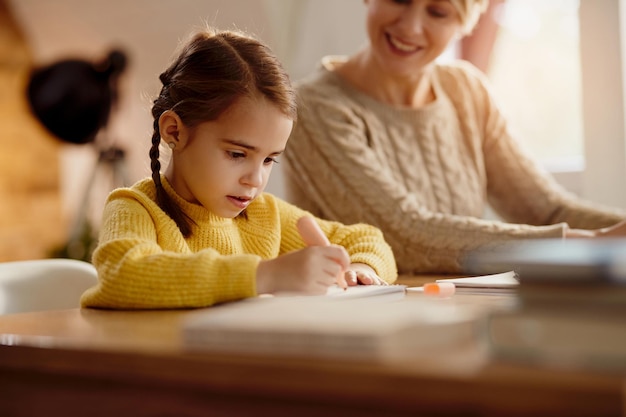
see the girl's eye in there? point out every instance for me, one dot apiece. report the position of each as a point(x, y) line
point(235, 154)
point(269, 161)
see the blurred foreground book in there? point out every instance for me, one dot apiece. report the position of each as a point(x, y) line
point(334, 328)
point(572, 303)
point(560, 338)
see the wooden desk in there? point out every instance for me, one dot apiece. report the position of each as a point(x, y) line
point(117, 363)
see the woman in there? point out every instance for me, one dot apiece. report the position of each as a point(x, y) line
point(392, 138)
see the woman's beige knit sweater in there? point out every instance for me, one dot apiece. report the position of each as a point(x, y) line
point(425, 176)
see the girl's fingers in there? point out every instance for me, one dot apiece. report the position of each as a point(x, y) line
point(368, 279)
point(311, 233)
point(351, 278)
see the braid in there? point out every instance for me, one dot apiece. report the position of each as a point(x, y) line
point(163, 199)
point(155, 164)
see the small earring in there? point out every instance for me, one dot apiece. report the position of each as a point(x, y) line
point(172, 145)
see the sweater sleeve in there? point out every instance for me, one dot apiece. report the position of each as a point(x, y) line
point(143, 262)
point(519, 189)
point(332, 171)
point(364, 243)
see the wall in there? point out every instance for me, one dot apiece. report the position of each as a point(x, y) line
point(31, 222)
point(148, 31)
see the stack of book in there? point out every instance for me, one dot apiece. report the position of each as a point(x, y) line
point(572, 304)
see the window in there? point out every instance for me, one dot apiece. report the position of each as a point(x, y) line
point(557, 70)
point(536, 75)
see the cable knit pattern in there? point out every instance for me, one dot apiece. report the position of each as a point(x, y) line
point(425, 176)
point(143, 260)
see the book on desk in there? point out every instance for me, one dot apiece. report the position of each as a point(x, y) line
point(572, 303)
point(500, 283)
point(373, 328)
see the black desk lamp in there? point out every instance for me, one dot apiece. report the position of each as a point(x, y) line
point(73, 100)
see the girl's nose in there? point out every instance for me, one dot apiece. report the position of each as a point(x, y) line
point(254, 177)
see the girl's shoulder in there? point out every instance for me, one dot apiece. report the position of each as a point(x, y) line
point(143, 191)
point(142, 187)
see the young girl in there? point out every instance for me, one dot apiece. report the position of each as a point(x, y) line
point(204, 232)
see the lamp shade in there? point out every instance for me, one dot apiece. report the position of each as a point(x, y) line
point(73, 98)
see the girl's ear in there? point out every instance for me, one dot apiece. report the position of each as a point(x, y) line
point(173, 131)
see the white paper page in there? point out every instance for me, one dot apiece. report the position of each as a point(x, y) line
point(503, 280)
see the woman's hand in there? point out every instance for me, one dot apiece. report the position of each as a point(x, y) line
point(617, 230)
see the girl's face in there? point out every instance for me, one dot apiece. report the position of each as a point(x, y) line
point(407, 35)
point(224, 164)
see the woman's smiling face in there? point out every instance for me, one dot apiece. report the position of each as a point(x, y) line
point(407, 35)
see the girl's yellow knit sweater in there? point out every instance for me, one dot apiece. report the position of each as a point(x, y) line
point(144, 262)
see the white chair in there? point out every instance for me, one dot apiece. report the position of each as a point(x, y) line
point(44, 284)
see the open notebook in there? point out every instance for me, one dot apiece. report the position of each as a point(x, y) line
point(504, 282)
point(378, 292)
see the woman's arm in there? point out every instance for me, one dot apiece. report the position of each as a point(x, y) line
point(519, 189)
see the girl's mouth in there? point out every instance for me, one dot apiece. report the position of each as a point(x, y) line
point(239, 202)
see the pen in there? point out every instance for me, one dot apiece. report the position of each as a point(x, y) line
point(314, 236)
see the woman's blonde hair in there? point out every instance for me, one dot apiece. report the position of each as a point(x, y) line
point(470, 11)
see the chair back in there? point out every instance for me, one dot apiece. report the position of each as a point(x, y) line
point(44, 284)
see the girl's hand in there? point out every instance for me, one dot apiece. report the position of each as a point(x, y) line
point(308, 271)
point(363, 274)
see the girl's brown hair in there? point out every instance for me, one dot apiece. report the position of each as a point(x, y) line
point(212, 71)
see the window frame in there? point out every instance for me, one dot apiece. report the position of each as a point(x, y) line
point(603, 47)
